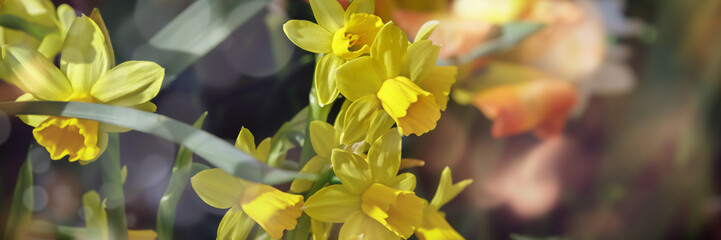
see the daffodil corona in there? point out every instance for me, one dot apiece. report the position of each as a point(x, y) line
point(340, 35)
point(248, 202)
point(373, 202)
point(397, 83)
point(87, 74)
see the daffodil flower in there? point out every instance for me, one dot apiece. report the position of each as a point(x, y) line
point(96, 220)
point(340, 35)
point(434, 225)
point(248, 202)
point(396, 83)
point(43, 13)
point(373, 202)
point(87, 74)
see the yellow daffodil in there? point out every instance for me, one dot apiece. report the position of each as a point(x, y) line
point(373, 202)
point(434, 225)
point(340, 35)
point(397, 82)
point(248, 202)
point(96, 220)
point(87, 74)
point(54, 24)
point(273, 210)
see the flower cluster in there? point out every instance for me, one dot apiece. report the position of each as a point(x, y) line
point(382, 79)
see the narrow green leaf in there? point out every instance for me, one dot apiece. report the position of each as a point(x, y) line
point(178, 180)
point(17, 23)
point(195, 168)
point(315, 112)
point(20, 212)
point(213, 149)
point(113, 188)
point(282, 141)
point(511, 34)
point(196, 31)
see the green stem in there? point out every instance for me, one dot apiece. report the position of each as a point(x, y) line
point(302, 229)
point(21, 213)
point(315, 112)
point(16, 23)
point(113, 188)
point(178, 180)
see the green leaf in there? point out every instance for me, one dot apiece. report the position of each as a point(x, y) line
point(196, 31)
point(283, 140)
point(113, 188)
point(20, 212)
point(178, 179)
point(511, 34)
point(315, 112)
point(213, 149)
point(17, 23)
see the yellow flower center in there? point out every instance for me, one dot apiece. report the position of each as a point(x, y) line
point(63, 136)
point(355, 38)
point(399, 211)
point(272, 209)
point(415, 110)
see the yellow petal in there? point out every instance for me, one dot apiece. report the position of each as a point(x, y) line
point(421, 59)
point(130, 83)
point(426, 30)
point(384, 156)
point(273, 210)
point(217, 188)
point(50, 45)
point(380, 123)
point(352, 170)
point(325, 83)
point(84, 56)
point(435, 226)
point(413, 108)
point(357, 119)
point(333, 204)
point(399, 211)
point(359, 77)
point(315, 164)
point(323, 138)
point(404, 181)
point(339, 124)
point(308, 36)
point(66, 16)
point(360, 6)
point(34, 74)
point(261, 153)
point(359, 226)
point(439, 82)
point(356, 37)
point(32, 120)
point(235, 225)
point(447, 190)
point(389, 49)
point(328, 14)
point(142, 235)
point(96, 219)
point(61, 136)
point(98, 19)
point(245, 141)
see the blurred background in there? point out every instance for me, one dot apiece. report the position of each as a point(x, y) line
point(602, 124)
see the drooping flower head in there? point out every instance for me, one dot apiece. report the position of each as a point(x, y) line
point(397, 83)
point(340, 35)
point(87, 74)
point(49, 22)
point(248, 202)
point(434, 225)
point(373, 202)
